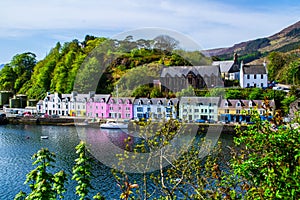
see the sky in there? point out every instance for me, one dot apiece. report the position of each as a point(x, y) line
point(36, 26)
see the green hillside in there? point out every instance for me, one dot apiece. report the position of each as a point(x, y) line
point(95, 64)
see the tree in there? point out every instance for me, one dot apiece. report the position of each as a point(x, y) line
point(82, 172)
point(269, 160)
point(23, 65)
point(165, 43)
point(7, 78)
point(43, 184)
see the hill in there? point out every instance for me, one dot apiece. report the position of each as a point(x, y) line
point(284, 41)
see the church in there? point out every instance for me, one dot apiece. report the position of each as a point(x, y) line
point(175, 79)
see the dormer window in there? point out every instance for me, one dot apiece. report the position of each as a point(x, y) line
point(238, 104)
point(226, 104)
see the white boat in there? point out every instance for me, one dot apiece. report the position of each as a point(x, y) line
point(44, 137)
point(114, 125)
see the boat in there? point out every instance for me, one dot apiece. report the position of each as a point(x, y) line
point(44, 137)
point(115, 124)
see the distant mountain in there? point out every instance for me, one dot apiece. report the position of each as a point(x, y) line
point(286, 40)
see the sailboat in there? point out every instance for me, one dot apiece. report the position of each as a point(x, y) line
point(115, 124)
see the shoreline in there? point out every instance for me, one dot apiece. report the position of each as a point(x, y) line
point(71, 121)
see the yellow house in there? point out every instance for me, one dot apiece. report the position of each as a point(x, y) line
point(237, 110)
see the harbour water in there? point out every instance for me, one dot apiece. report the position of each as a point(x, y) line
point(19, 142)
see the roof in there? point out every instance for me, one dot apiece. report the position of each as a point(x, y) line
point(197, 100)
point(180, 71)
point(122, 99)
point(155, 101)
point(99, 97)
point(232, 103)
point(254, 69)
point(225, 66)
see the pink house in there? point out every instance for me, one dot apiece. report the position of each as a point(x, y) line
point(96, 106)
point(123, 108)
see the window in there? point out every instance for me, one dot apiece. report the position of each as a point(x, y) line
point(140, 115)
point(248, 85)
point(139, 109)
point(78, 107)
point(205, 111)
point(196, 110)
point(254, 76)
point(96, 114)
point(248, 76)
point(148, 109)
point(101, 107)
point(111, 108)
point(226, 110)
point(226, 104)
point(262, 76)
point(238, 104)
point(168, 110)
point(119, 108)
point(211, 110)
point(196, 116)
point(58, 105)
point(238, 111)
point(96, 107)
point(53, 106)
point(261, 85)
point(127, 108)
point(127, 115)
point(158, 109)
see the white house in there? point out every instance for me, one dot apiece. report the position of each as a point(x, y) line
point(55, 104)
point(196, 108)
point(253, 76)
point(78, 103)
point(155, 108)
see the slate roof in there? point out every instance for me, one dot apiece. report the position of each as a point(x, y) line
point(155, 101)
point(254, 69)
point(232, 103)
point(180, 71)
point(198, 100)
point(122, 99)
point(227, 66)
point(99, 97)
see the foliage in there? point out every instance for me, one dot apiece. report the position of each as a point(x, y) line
point(46, 186)
point(269, 160)
point(195, 174)
point(43, 184)
point(82, 171)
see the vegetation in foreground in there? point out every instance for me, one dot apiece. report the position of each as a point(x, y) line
point(265, 164)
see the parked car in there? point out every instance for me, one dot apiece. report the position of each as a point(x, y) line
point(286, 89)
point(200, 121)
point(54, 116)
point(211, 121)
point(277, 88)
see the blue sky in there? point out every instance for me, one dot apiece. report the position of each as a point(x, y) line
point(36, 26)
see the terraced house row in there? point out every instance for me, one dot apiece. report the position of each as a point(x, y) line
point(105, 106)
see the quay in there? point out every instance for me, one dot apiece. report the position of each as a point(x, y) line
point(75, 121)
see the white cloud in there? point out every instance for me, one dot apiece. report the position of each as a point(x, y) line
point(210, 23)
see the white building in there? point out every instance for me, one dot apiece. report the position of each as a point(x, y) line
point(199, 108)
point(155, 108)
point(230, 69)
point(73, 104)
point(253, 76)
point(55, 104)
